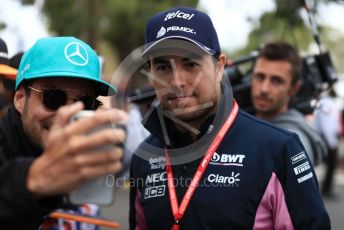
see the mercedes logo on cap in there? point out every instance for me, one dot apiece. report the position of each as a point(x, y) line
point(76, 54)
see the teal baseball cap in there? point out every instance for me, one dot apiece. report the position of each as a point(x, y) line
point(62, 57)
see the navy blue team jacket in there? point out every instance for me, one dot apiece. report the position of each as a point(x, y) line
point(260, 177)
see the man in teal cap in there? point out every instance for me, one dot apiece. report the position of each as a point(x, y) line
point(42, 155)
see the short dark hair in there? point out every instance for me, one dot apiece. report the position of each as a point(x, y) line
point(281, 51)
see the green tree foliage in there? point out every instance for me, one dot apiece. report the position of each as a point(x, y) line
point(2, 25)
point(333, 41)
point(286, 24)
point(120, 23)
point(28, 2)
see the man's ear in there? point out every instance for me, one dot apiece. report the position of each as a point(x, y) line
point(295, 88)
point(19, 99)
point(220, 65)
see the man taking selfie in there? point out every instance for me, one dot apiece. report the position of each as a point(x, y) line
point(42, 155)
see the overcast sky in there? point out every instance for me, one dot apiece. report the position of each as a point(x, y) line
point(230, 17)
point(24, 25)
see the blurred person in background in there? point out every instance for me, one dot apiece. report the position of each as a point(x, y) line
point(275, 80)
point(15, 60)
point(133, 98)
point(7, 79)
point(137, 104)
point(43, 156)
point(327, 122)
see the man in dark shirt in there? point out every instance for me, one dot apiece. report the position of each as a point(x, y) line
point(207, 164)
point(42, 155)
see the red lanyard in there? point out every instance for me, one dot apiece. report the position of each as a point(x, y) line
point(178, 212)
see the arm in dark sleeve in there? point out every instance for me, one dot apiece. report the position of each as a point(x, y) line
point(300, 184)
point(17, 205)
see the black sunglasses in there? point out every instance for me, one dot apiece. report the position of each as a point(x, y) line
point(55, 98)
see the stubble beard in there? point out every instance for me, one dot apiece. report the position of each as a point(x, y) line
point(32, 132)
point(194, 116)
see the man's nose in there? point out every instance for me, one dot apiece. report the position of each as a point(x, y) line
point(177, 76)
point(265, 86)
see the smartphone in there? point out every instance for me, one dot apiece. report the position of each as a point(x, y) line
point(97, 191)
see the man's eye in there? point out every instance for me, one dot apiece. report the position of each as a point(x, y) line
point(162, 68)
point(277, 81)
point(258, 77)
point(191, 65)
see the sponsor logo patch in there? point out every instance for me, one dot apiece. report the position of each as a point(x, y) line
point(156, 178)
point(178, 14)
point(230, 181)
point(157, 163)
point(156, 191)
point(164, 30)
point(304, 178)
point(26, 68)
point(76, 54)
point(302, 168)
point(227, 159)
point(298, 157)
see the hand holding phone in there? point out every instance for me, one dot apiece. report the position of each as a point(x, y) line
point(73, 153)
point(97, 191)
